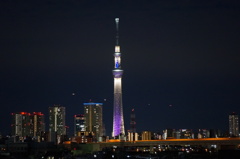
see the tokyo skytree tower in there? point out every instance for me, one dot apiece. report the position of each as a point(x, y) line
point(118, 122)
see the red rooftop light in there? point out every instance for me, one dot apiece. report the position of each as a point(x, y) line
point(37, 113)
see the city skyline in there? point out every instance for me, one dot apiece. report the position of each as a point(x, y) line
point(181, 60)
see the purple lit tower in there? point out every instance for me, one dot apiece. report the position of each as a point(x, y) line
point(118, 122)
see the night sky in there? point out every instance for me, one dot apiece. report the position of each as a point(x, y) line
point(181, 60)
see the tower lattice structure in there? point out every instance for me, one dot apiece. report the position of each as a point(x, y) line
point(133, 122)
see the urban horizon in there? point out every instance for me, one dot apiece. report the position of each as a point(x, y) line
point(70, 126)
point(180, 61)
point(119, 79)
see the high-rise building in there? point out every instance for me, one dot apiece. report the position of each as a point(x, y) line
point(37, 124)
point(93, 119)
point(118, 121)
point(79, 124)
point(57, 120)
point(132, 136)
point(21, 124)
point(146, 135)
point(233, 125)
point(25, 124)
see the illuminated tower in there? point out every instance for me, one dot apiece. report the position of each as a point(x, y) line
point(233, 125)
point(118, 122)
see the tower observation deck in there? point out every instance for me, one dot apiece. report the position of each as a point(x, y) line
point(118, 121)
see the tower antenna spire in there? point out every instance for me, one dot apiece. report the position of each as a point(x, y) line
point(117, 36)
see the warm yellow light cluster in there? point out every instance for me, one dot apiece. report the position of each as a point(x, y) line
point(117, 48)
